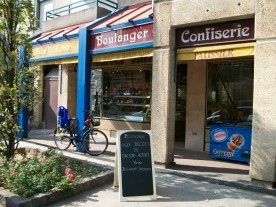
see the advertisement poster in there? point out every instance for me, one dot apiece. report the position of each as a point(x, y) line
point(232, 143)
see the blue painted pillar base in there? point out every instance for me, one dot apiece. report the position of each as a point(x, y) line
point(79, 145)
point(23, 123)
point(23, 116)
point(83, 82)
point(80, 148)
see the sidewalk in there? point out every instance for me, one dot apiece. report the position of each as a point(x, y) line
point(187, 162)
point(174, 191)
point(195, 180)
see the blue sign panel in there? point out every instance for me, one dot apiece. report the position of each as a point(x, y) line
point(232, 143)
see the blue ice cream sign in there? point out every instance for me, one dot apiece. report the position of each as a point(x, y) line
point(231, 143)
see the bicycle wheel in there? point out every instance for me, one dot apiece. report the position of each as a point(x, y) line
point(62, 139)
point(95, 143)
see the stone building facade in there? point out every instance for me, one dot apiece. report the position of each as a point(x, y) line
point(171, 15)
point(171, 64)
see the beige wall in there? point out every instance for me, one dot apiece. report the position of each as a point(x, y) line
point(122, 3)
point(65, 20)
point(163, 87)
point(67, 95)
point(187, 13)
point(195, 106)
point(263, 155)
point(37, 116)
point(69, 20)
point(163, 106)
point(63, 83)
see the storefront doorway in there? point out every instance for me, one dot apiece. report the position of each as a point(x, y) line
point(180, 113)
point(230, 108)
point(50, 98)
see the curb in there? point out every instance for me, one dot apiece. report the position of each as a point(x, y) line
point(242, 186)
point(9, 199)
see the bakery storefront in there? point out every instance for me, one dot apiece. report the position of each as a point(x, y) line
point(56, 54)
point(215, 67)
point(122, 69)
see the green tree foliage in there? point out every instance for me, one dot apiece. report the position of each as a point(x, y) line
point(17, 21)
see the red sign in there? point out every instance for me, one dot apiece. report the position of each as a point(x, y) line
point(122, 37)
point(216, 33)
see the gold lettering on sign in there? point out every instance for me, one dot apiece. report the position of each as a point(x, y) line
point(214, 54)
point(122, 55)
point(56, 48)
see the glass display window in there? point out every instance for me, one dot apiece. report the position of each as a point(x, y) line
point(230, 93)
point(122, 93)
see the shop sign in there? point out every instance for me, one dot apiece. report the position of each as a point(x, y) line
point(55, 49)
point(123, 55)
point(216, 52)
point(56, 61)
point(50, 62)
point(108, 63)
point(216, 33)
point(122, 37)
point(232, 143)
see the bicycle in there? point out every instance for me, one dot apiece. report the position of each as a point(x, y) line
point(93, 141)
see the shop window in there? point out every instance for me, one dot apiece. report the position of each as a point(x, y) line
point(126, 94)
point(230, 93)
point(181, 90)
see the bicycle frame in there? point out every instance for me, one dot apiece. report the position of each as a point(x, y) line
point(92, 143)
point(84, 130)
point(87, 128)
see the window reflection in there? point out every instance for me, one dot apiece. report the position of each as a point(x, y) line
point(230, 93)
point(126, 94)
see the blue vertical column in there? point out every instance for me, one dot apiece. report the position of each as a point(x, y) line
point(83, 81)
point(23, 116)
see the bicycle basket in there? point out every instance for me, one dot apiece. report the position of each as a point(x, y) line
point(96, 122)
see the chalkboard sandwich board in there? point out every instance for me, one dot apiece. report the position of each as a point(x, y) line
point(136, 167)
